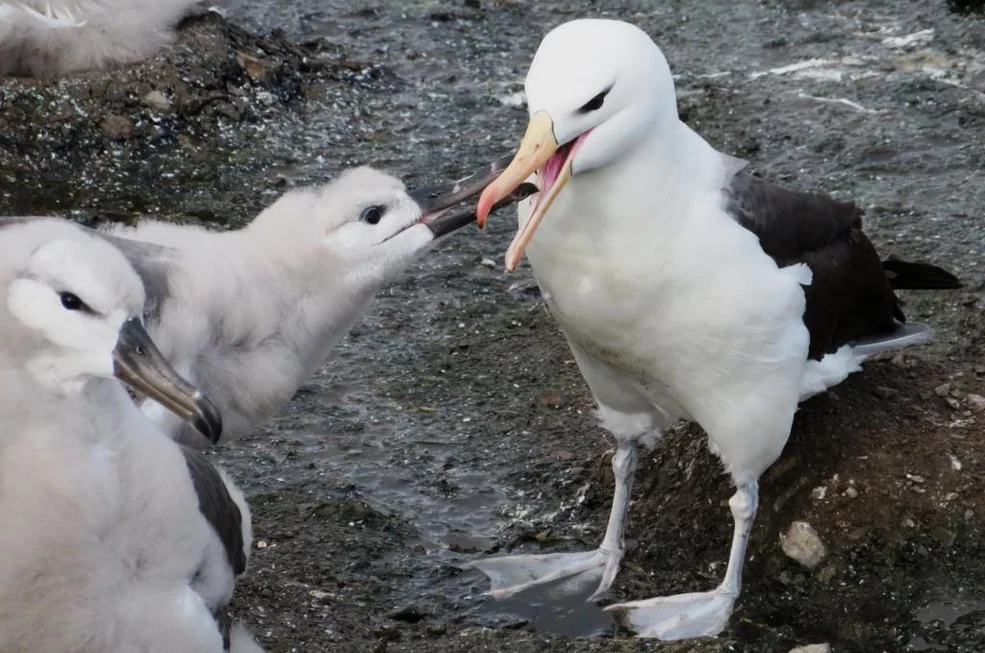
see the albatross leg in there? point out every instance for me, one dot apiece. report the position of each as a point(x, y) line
point(699, 614)
point(510, 575)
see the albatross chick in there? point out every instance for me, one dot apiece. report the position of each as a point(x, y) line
point(114, 537)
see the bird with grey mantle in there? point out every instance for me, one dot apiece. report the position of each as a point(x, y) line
point(686, 289)
point(115, 538)
point(248, 314)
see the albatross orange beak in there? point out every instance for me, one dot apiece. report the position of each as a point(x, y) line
point(536, 154)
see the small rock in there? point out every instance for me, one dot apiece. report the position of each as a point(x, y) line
point(976, 402)
point(488, 262)
point(812, 648)
point(819, 493)
point(550, 399)
point(953, 403)
point(980, 370)
point(116, 128)
point(259, 70)
point(943, 390)
point(802, 543)
point(886, 393)
point(851, 493)
point(158, 101)
point(408, 614)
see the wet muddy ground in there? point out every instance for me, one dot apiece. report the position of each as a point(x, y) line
point(453, 422)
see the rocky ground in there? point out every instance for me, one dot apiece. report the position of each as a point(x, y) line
point(453, 422)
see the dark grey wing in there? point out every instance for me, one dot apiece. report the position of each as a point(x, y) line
point(850, 297)
point(788, 222)
point(215, 502)
point(153, 263)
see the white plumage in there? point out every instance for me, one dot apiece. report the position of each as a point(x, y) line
point(56, 37)
point(249, 314)
point(105, 548)
point(686, 289)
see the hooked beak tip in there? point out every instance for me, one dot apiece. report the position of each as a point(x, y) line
point(208, 419)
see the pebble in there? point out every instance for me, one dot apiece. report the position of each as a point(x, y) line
point(802, 543)
point(976, 403)
point(943, 390)
point(851, 493)
point(157, 100)
point(812, 648)
point(116, 128)
point(819, 493)
point(488, 262)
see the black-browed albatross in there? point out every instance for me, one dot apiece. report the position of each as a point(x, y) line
point(686, 288)
point(114, 537)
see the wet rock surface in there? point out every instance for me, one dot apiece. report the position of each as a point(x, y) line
point(453, 422)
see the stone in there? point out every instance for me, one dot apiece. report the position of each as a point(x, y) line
point(116, 128)
point(802, 543)
point(157, 100)
point(976, 402)
point(812, 648)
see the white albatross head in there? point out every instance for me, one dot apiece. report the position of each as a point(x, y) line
point(596, 89)
point(369, 221)
point(74, 305)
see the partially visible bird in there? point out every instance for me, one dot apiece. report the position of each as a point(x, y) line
point(57, 37)
point(114, 537)
point(686, 288)
point(247, 315)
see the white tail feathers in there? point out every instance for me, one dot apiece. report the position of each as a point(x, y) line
point(241, 641)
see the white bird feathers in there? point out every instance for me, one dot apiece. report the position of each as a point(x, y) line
point(686, 289)
point(40, 38)
point(106, 548)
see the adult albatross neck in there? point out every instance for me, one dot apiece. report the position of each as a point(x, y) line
point(686, 288)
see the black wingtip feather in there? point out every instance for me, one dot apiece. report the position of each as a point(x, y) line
point(904, 275)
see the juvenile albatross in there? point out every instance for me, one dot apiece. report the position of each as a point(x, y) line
point(686, 289)
point(247, 315)
point(114, 537)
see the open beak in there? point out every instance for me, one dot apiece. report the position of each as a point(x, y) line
point(140, 364)
point(444, 223)
point(539, 152)
point(435, 201)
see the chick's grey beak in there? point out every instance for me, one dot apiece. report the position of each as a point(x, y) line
point(140, 364)
point(433, 199)
point(445, 223)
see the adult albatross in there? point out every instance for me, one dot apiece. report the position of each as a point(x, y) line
point(686, 288)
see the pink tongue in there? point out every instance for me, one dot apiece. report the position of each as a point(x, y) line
point(551, 171)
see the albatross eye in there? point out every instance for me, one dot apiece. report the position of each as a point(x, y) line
point(71, 302)
point(595, 103)
point(372, 214)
